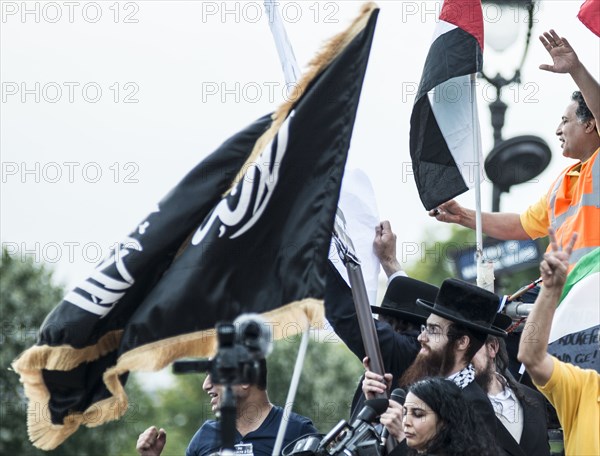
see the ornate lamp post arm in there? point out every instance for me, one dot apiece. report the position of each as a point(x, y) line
point(498, 107)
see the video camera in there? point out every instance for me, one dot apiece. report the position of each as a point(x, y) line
point(242, 345)
point(242, 348)
point(359, 439)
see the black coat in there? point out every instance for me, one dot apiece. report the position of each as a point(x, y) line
point(534, 439)
point(397, 350)
point(482, 406)
point(400, 350)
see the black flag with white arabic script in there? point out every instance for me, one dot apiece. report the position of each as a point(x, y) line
point(211, 251)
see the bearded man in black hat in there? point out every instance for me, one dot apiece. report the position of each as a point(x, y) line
point(462, 317)
point(399, 316)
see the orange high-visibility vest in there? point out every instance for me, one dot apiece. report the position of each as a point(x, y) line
point(578, 212)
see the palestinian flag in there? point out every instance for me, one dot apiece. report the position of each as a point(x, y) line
point(589, 14)
point(247, 231)
point(444, 126)
point(576, 325)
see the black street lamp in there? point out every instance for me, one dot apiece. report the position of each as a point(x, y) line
point(522, 158)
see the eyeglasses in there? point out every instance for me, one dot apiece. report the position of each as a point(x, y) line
point(431, 330)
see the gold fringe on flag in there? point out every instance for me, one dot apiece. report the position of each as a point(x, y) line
point(287, 320)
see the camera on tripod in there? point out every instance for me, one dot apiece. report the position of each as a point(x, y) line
point(242, 347)
point(240, 359)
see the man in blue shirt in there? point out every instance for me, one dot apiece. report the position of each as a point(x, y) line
point(257, 424)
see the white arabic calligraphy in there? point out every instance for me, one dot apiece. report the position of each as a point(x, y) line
point(260, 179)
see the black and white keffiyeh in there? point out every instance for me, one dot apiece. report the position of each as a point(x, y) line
point(463, 377)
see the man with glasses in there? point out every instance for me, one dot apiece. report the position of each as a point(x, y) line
point(399, 316)
point(462, 317)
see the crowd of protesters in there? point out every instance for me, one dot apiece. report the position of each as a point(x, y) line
point(445, 346)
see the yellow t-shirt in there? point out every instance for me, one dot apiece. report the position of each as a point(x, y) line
point(575, 394)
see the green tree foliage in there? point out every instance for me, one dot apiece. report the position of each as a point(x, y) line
point(27, 294)
point(329, 378)
point(436, 261)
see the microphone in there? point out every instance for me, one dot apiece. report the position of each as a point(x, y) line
point(371, 410)
point(399, 396)
point(253, 333)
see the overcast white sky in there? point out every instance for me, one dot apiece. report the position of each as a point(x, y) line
point(82, 163)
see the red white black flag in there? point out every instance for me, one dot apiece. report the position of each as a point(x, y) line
point(211, 251)
point(589, 14)
point(444, 129)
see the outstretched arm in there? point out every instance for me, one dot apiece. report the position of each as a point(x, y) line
point(565, 60)
point(499, 225)
point(533, 347)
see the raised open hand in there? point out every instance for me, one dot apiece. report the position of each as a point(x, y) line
point(563, 56)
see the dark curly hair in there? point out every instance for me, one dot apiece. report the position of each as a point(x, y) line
point(582, 112)
point(459, 432)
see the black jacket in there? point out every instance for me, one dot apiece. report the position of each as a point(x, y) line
point(397, 350)
point(534, 439)
point(481, 405)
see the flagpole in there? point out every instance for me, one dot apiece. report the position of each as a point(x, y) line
point(289, 402)
point(290, 67)
point(291, 72)
point(485, 274)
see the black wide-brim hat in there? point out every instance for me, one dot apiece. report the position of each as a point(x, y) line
point(502, 321)
point(467, 305)
point(400, 299)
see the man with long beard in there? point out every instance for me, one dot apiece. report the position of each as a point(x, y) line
point(399, 316)
point(461, 319)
